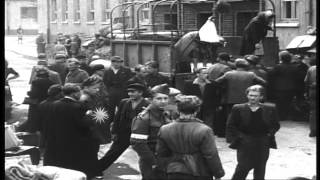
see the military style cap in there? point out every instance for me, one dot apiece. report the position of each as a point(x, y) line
point(174, 91)
point(152, 64)
point(74, 60)
point(136, 86)
point(94, 57)
point(162, 88)
point(97, 67)
point(42, 62)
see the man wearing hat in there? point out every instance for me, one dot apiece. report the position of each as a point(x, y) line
point(220, 67)
point(43, 63)
point(121, 129)
point(144, 132)
point(189, 144)
point(60, 66)
point(41, 44)
point(235, 83)
point(75, 74)
point(153, 76)
point(253, 66)
point(115, 78)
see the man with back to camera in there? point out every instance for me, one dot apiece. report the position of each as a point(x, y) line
point(250, 129)
point(190, 144)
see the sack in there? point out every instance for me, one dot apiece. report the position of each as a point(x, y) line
point(28, 100)
point(11, 140)
point(208, 32)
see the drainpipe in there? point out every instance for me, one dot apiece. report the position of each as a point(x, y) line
point(48, 22)
point(310, 12)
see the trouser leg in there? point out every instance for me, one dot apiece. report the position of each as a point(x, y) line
point(116, 149)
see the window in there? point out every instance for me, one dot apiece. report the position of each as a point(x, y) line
point(76, 8)
point(289, 9)
point(54, 10)
point(105, 11)
point(29, 13)
point(170, 24)
point(145, 12)
point(64, 10)
point(90, 5)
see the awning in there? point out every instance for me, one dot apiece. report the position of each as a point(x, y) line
point(302, 42)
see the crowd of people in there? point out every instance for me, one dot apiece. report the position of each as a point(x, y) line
point(76, 108)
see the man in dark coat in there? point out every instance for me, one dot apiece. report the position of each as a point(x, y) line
point(282, 84)
point(207, 92)
point(45, 116)
point(189, 144)
point(70, 140)
point(255, 31)
point(60, 66)
point(153, 77)
point(38, 93)
point(128, 109)
point(115, 79)
point(250, 129)
point(41, 44)
point(220, 67)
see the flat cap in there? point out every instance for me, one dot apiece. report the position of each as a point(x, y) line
point(42, 56)
point(60, 56)
point(162, 88)
point(42, 62)
point(252, 59)
point(239, 62)
point(152, 64)
point(97, 67)
point(224, 56)
point(116, 58)
point(73, 60)
point(136, 86)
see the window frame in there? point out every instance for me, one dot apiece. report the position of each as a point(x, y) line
point(293, 18)
point(90, 11)
point(54, 11)
point(65, 11)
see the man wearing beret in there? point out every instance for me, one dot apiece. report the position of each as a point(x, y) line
point(144, 132)
point(115, 79)
point(128, 109)
point(189, 144)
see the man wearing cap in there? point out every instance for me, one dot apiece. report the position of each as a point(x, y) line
point(253, 66)
point(153, 76)
point(144, 132)
point(189, 144)
point(220, 67)
point(251, 129)
point(59, 48)
point(75, 74)
point(235, 82)
point(60, 66)
point(43, 63)
point(121, 129)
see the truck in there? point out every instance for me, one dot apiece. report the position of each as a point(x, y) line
point(138, 45)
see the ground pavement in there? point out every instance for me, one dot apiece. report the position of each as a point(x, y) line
point(295, 156)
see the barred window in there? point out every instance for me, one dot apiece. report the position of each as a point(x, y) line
point(76, 7)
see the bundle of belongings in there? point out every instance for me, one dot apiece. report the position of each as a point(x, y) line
point(20, 168)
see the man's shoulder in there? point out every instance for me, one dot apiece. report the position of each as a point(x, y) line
point(268, 105)
point(239, 106)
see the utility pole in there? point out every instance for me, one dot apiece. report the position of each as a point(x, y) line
point(48, 21)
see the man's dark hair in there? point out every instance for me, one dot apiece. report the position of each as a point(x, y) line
point(69, 89)
point(285, 56)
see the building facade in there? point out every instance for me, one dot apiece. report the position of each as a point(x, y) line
point(293, 18)
point(77, 16)
point(21, 13)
